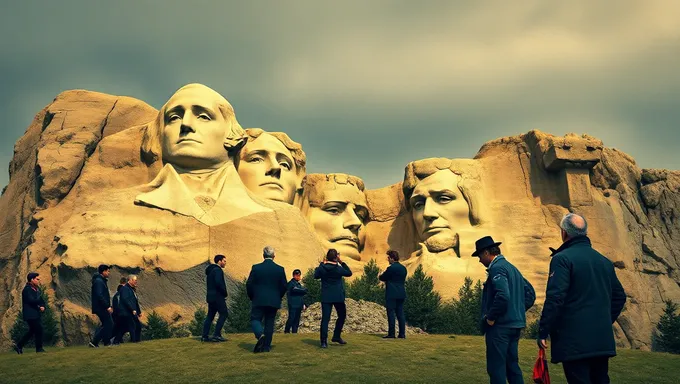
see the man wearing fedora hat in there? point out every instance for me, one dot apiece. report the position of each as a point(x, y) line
point(507, 295)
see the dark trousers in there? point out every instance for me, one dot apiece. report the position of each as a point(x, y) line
point(214, 308)
point(105, 330)
point(594, 370)
point(129, 324)
point(395, 308)
point(293, 321)
point(326, 309)
point(502, 360)
point(262, 322)
point(34, 329)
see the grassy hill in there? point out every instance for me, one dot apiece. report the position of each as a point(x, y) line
point(366, 358)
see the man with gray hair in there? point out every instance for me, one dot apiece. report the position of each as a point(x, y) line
point(266, 286)
point(582, 300)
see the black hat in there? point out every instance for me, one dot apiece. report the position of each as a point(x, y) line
point(484, 243)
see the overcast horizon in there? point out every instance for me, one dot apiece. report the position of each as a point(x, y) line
point(366, 88)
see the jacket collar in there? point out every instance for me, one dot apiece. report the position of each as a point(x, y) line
point(495, 259)
point(578, 240)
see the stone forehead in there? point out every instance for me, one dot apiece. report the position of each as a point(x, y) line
point(200, 91)
point(317, 184)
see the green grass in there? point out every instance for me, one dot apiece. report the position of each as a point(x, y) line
point(366, 358)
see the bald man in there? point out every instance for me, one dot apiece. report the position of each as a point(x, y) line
point(582, 300)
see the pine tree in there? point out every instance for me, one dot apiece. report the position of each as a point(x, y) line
point(468, 308)
point(667, 335)
point(368, 286)
point(313, 288)
point(48, 319)
point(156, 328)
point(423, 302)
point(239, 310)
point(196, 324)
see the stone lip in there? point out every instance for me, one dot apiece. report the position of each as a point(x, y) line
point(362, 317)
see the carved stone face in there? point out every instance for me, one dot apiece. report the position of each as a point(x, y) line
point(194, 129)
point(438, 209)
point(267, 168)
point(338, 218)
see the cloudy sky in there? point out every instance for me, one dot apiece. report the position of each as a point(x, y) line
point(366, 86)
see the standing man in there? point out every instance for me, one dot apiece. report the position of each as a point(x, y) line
point(266, 286)
point(115, 304)
point(582, 300)
point(507, 295)
point(395, 294)
point(101, 306)
point(216, 297)
point(130, 311)
point(295, 305)
point(331, 273)
point(32, 308)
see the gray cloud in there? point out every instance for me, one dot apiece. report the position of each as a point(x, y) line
point(366, 87)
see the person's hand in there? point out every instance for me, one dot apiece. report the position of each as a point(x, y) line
point(42, 309)
point(304, 307)
point(490, 322)
point(542, 343)
point(109, 310)
point(134, 313)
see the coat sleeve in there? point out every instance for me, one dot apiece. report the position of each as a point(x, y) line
point(385, 276)
point(99, 295)
point(345, 270)
point(126, 300)
point(618, 296)
point(218, 278)
point(529, 295)
point(283, 284)
point(319, 272)
point(296, 290)
point(555, 293)
point(501, 295)
point(250, 285)
point(29, 298)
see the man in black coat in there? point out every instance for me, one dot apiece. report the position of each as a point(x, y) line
point(216, 297)
point(115, 304)
point(295, 304)
point(101, 306)
point(265, 286)
point(130, 312)
point(32, 308)
point(506, 297)
point(582, 301)
point(331, 273)
point(395, 294)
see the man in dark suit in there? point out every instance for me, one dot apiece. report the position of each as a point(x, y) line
point(130, 312)
point(582, 301)
point(216, 297)
point(331, 273)
point(101, 306)
point(506, 297)
point(395, 294)
point(115, 304)
point(265, 286)
point(32, 308)
point(295, 304)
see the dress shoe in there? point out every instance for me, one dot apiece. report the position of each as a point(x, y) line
point(18, 350)
point(92, 345)
point(324, 344)
point(339, 340)
point(402, 336)
point(218, 339)
point(388, 337)
point(259, 346)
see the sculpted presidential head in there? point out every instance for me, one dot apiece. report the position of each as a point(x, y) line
point(440, 195)
point(335, 207)
point(195, 129)
point(271, 165)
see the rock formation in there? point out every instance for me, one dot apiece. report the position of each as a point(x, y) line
point(82, 163)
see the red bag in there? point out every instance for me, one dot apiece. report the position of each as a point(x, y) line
point(541, 375)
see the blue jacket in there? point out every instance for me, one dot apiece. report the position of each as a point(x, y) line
point(507, 295)
point(295, 294)
point(216, 287)
point(582, 300)
point(128, 302)
point(31, 302)
point(101, 298)
point(266, 284)
point(394, 278)
point(332, 287)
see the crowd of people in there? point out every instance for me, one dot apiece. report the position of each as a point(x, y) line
point(583, 299)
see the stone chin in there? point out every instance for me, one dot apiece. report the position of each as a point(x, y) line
point(272, 192)
point(442, 242)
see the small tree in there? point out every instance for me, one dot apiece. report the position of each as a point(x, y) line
point(468, 308)
point(313, 288)
point(48, 319)
point(368, 286)
point(156, 328)
point(531, 331)
point(667, 335)
point(423, 302)
point(196, 324)
point(239, 310)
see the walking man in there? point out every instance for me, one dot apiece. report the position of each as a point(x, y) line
point(395, 294)
point(582, 301)
point(506, 296)
point(265, 286)
point(101, 306)
point(130, 311)
point(331, 273)
point(296, 292)
point(115, 304)
point(216, 297)
point(32, 308)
